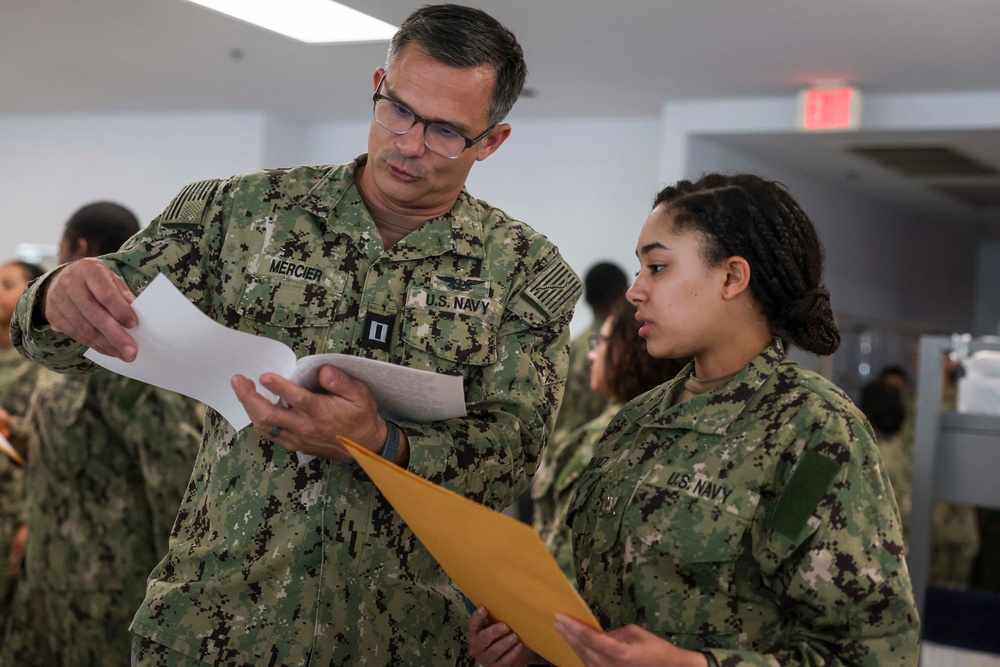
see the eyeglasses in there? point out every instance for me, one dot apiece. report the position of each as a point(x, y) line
point(596, 341)
point(439, 138)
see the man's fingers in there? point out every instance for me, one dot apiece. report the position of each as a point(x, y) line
point(92, 305)
point(98, 332)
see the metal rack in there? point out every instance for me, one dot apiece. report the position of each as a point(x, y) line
point(956, 456)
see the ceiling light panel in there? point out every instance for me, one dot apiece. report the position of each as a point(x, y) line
point(310, 21)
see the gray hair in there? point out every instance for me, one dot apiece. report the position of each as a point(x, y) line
point(465, 37)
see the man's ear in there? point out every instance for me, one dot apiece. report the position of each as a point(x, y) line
point(377, 78)
point(737, 277)
point(84, 249)
point(492, 142)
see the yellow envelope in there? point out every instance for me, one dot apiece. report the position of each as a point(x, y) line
point(497, 561)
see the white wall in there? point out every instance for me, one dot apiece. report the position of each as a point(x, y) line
point(52, 165)
point(585, 183)
point(883, 263)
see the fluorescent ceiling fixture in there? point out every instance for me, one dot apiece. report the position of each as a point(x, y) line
point(310, 21)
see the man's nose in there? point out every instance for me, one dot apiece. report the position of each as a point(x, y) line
point(411, 143)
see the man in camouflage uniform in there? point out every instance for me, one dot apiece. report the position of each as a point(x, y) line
point(109, 459)
point(280, 562)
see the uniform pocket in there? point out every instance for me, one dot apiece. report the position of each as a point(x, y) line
point(452, 321)
point(286, 303)
point(597, 509)
point(682, 548)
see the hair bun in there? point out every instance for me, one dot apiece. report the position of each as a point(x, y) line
point(809, 321)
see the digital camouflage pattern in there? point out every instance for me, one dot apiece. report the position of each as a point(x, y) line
point(580, 403)
point(755, 519)
point(553, 486)
point(17, 380)
point(105, 477)
point(275, 562)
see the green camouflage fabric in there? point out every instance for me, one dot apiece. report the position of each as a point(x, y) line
point(580, 403)
point(17, 380)
point(104, 480)
point(276, 562)
point(955, 529)
point(554, 484)
point(755, 519)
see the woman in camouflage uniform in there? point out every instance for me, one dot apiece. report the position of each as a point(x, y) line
point(739, 514)
point(17, 381)
point(620, 370)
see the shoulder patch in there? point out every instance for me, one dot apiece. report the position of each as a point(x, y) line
point(552, 293)
point(188, 206)
point(808, 483)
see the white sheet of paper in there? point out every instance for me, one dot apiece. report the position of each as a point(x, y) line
point(409, 394)
point(403, 393)
point(184, 350)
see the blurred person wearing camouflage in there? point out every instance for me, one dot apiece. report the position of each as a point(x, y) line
point(620, 370)
point(17, 380)
point(604, 286)
point(108, 462)
point(955, 530)
point(739, 514)
point(275, 561)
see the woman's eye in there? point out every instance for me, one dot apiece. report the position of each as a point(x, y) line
point(655, 268)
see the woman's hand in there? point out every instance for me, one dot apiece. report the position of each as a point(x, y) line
point(494, 645)
point(631, 646)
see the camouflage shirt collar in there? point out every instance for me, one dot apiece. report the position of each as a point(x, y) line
point(459, 231)
point(712, 412)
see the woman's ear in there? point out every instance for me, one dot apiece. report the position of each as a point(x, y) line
point(737, 277)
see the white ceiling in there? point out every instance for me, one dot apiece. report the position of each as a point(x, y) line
point(585, 57)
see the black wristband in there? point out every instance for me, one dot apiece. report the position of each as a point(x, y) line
point(712, 662)
point(391, 447)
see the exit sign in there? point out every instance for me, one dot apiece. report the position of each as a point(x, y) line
point(825, 109)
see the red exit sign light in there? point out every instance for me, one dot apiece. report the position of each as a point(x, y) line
point(826, 109)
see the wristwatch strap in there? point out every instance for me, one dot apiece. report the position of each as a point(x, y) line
point(712, 662)
point(391, 442)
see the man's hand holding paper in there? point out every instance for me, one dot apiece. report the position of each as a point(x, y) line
point(309, 422)
point(181, 349)
point(92, 305)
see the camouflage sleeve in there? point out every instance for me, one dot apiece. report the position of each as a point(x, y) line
point(39, 342)
point(175, 243)
point(162, 431)
point(490, 455)
point(831, 550)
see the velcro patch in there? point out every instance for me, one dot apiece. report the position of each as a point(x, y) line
point(555, 290)
point(189, 205)
point(802, 493)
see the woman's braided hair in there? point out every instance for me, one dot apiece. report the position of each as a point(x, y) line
point(758, 220)
point(628, 366)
